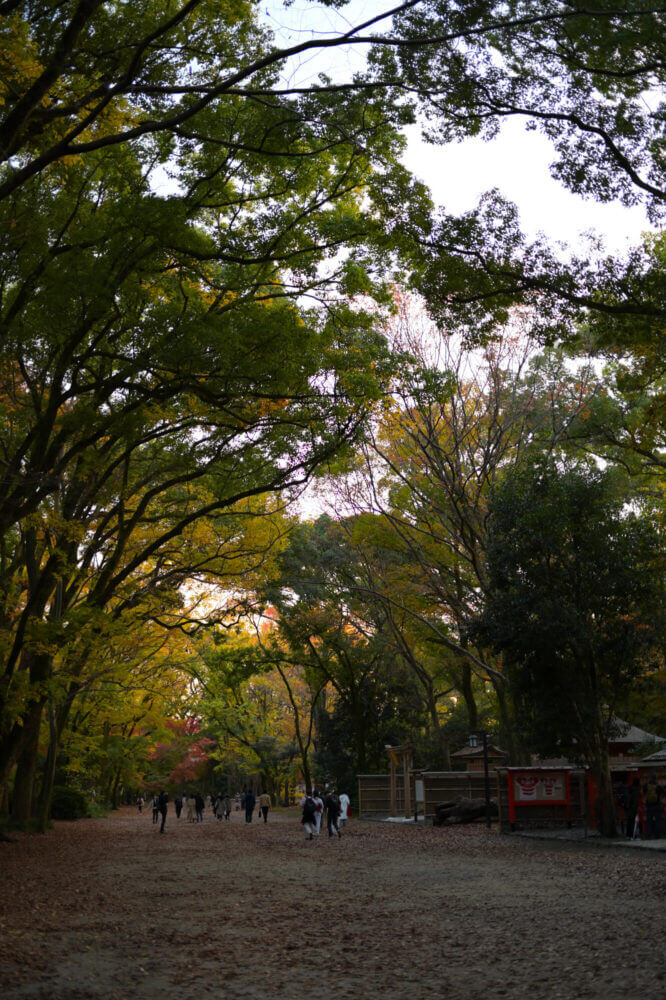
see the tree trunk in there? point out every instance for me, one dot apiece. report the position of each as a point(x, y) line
point(442, 738)
point(24, 780)
point(359, 739)
point(303, 754)
point(10, 748)
point(307, 777)
point(114, 790)
point(507, 726)
point(606, 817)
point(108, 788)
point(467, 691)
point(462, 811)
point(20, 745)
point(48, 779)
point(445, 746)
point(303, 747)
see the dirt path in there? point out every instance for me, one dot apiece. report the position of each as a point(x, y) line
point(109, 908)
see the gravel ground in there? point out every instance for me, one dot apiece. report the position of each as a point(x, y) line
point(110, 909)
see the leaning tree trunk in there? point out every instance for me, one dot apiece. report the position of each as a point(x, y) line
point(463, 810)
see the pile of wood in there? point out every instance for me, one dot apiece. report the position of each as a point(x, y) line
point(462, 810)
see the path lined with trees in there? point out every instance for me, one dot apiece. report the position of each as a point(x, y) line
point(109, 908)
point(179, 360)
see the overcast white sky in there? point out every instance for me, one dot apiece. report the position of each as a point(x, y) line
point(516, 162)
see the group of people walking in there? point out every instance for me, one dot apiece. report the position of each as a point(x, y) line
point(192, 804)
point(314, 807)
point(159, 807)
point(249, 801)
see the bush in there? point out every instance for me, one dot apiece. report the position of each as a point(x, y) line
point(98, 810)
point(68, 803)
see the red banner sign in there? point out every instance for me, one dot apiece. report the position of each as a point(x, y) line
point(533, 786)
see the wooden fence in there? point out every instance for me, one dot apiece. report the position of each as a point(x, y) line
point(374, 797)
point(374, 791)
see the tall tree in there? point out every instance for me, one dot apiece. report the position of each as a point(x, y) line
point(327, 623)
point(457, 421)
point(257, 704)
point(573, 604)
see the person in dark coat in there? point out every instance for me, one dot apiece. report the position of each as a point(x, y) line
point(250, 802)
point(199, 806)
point(308, 819)
point(332, 812)
point(178, 802)
point(163, 799)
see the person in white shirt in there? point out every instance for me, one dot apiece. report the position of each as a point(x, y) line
point(344, 808)
point(319, 802)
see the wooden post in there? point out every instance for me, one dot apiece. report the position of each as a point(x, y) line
point(406, 761)
point(486, 778)
point(396, 755)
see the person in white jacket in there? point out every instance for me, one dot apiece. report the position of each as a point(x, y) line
point(344, 808)
point(319, 802)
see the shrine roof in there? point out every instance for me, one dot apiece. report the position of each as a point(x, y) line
point(469, 752)
point(624, 732)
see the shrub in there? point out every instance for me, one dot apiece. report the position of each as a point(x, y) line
point(98, 810)
point(68, 803)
